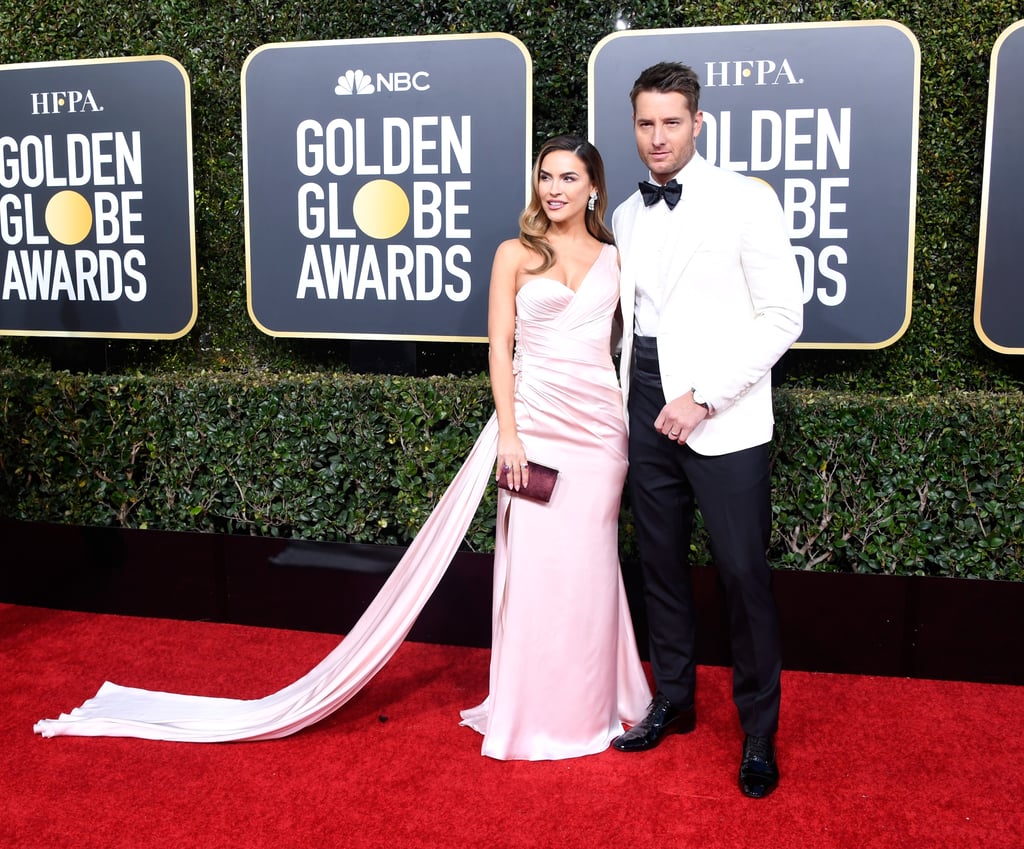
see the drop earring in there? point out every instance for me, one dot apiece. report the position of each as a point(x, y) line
point(590, 203)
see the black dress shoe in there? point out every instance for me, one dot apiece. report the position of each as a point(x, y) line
point(759, 773)
point(662, 718)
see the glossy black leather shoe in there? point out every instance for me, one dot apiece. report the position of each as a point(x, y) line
point(759, 773)
point(662, 718)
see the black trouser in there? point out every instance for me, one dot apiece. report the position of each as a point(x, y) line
point(667, 481)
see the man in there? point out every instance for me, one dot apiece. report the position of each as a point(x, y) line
point(711, 298)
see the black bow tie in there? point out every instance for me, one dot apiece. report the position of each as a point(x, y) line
point(652, 193)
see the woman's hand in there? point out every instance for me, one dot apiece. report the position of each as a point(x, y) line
point(512, 460)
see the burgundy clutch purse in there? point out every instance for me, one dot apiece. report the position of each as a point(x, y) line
point(542, 482)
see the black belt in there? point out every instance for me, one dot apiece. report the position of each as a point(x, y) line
point(645, 359)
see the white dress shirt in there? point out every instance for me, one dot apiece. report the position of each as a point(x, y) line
point(653, 263)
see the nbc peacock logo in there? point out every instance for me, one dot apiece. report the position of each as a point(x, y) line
point(354, 82)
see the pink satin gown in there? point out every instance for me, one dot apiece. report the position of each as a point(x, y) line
point(564, 672)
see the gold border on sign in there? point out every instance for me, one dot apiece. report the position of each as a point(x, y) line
point(985, 187)
point(911, 38)
point(175, 64)
point(245, 170)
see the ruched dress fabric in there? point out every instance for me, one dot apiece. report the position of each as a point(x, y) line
point(590, 640)
point(565, 673)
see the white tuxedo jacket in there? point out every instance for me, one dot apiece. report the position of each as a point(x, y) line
point(733, 305)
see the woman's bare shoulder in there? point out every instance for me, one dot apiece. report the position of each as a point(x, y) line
point(512, 248)
point(514, 253)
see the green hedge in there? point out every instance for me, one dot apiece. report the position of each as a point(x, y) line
point(357, 460)
point(864, 484)
point(900, 485)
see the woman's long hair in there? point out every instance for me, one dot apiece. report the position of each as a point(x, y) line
point(534, 222)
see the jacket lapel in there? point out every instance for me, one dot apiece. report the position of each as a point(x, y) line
point(626, 224)
point(690, 227)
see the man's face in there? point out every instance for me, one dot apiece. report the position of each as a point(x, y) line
point(665, 132)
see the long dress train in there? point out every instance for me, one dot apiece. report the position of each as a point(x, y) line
point(119, 711)
point(564, 667)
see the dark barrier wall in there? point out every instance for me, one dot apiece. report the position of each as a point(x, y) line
point(857, 624)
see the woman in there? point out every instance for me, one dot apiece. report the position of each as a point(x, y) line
point(564, 668)
point(564, 664)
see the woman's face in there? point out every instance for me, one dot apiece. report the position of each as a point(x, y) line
point(563, 185)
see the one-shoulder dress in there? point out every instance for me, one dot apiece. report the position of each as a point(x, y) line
point(564, 668)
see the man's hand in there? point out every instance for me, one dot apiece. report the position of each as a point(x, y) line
point(679, 417)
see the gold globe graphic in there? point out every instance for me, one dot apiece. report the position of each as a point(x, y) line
point(68, 217)
point(381, 209)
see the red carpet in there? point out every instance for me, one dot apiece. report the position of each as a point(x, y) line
point(867, 762)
